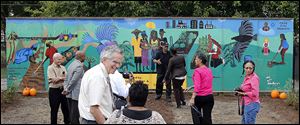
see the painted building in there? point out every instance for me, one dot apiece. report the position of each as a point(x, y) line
point(31, 43)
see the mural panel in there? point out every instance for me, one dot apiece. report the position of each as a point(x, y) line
point(228, 42)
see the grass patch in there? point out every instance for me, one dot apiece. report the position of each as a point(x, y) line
point(8, 95)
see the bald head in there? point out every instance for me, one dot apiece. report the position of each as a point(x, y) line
point(80, 55)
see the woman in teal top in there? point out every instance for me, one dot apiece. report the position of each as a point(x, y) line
point(283, 47)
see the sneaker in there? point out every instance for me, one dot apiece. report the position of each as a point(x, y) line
point(157, 97)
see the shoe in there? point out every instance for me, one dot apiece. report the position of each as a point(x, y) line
point(157, 97)
point(178, 106)
point(183, 103)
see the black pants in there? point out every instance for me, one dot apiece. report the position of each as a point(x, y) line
point(55, 99)
point(205, 104)
point(160, 85)
point(178, 92)
point(73, 111)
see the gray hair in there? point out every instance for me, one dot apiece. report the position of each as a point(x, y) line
point(56, 55)
point(108, 51)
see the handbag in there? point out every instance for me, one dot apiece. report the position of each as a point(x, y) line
point(119, 101)
point(196, 115)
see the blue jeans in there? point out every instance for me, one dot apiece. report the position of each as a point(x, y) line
point(250, 113)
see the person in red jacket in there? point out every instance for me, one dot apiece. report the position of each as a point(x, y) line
point(50, 51)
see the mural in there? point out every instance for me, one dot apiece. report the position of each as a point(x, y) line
point(31, 43)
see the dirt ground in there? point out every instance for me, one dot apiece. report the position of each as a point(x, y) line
point(36, 110)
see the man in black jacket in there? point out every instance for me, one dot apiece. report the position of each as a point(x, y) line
point(162, 59)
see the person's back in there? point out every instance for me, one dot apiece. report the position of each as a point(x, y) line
point(136, 113)
point(127, 116)
point(178, 66)
point(204, 77)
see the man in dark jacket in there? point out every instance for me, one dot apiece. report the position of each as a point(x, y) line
point(162, 59)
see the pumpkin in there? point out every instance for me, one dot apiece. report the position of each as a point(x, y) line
point(274, 93)
point(33, 92)
point(26, 91)
point(283, 95)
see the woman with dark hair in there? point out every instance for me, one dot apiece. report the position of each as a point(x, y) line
point(136, 113)
point(283, 47)
point(176, 72)
point(250, 93)
point(202, 96)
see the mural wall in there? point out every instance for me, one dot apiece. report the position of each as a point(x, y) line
point(31, 43)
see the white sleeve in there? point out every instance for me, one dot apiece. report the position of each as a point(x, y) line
point(118, 84)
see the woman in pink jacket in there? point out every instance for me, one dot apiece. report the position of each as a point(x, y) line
point(250, 94)
point(202, 96)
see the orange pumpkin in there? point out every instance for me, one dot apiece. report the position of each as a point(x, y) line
point(26, 91)
point(274, 93)
point(283, 95)
point(33, 92)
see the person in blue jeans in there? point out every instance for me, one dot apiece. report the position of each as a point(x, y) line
point(250, 93)
point(251, 111)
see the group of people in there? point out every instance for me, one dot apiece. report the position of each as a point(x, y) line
point(88, 97)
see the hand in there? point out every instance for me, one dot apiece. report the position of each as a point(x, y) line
point(241, 93)
point(158, 62)
point(192, 102)
point(62, 78)
point(65, 92)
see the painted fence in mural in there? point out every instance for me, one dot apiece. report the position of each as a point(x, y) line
point(31, 43)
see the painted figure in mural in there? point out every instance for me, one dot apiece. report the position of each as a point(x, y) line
point(162, 38)
point(56, 77)
point(266, 27)
point(145, 52)
point(283, 47)
point(249, 90)
point(266, 49)
point(162, 60)
point(95, 101)
point(23, 55)
point(214, 48)
point(136, 43)
point(50, 51)
point(136, 113)
point(202, 96)
point(176, 72)
point(154, 43)
point(72, 85)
